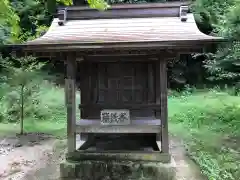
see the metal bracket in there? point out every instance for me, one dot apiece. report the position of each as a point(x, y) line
point(183, 13)
point(62, 16)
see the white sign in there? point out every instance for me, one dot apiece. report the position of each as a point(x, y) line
point(115, 117)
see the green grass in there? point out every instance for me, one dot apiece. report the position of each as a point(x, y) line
point(54, 128)
point(209, 124)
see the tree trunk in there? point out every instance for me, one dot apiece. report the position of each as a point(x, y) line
point(22, 116)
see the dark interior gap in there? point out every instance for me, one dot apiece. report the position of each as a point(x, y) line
point(124, 142)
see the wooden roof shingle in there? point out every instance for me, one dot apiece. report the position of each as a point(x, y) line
point(157, 26)
point(123, 30)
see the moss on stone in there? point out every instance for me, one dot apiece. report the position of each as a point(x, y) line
point(150, 157)
point(117, 170)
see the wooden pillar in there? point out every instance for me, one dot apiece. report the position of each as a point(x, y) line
point(164, 106)
point(157, 94)
point(70, 90)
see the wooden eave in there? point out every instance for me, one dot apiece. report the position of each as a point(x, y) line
point(129, 27)
point(116, 46)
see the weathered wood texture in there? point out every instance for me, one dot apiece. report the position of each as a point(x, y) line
point(136, 126)
point(163, 97)
point(118, 85)
point(124, 11)
point(118, 129)
point(70, 89)
point(157, 98)
point(114, 48)
point(170, 31)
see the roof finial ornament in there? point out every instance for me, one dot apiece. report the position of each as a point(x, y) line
point(62, 16)
point(183, 13)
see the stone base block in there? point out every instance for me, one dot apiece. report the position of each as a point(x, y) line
point(116, 170)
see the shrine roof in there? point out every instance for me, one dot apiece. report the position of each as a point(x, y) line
point(160, 25)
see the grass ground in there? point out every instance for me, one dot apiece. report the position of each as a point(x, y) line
point(208, 122)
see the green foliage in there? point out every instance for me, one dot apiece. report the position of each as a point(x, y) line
point(65, 2)
point(98, 4)
point(9, 29)
point(44, 109)
point(224, 19)
point(33, 14)
point(213, 131)
point(21, 20)
point(225, 64)
point(209, 13)
point(21, 73)
point(35, 17)
point(229, 26)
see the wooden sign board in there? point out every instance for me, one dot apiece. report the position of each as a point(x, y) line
point(115, 117)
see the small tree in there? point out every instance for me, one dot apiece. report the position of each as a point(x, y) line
point(22, 73)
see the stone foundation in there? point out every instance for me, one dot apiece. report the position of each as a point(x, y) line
point(116, 170)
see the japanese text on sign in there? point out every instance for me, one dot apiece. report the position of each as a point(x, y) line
point(115, 117)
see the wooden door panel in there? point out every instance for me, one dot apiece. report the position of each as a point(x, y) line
point(122, 83)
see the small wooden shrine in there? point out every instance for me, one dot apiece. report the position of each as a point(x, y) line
point(117, 60)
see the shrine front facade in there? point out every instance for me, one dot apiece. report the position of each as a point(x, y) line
point(120, 84)
point(117, 61)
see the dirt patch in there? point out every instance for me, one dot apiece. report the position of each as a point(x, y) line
point(37, 157)
point(186, 168)
point(8, 144)
point(22, 154)
point(232, 142)
point(49, 168)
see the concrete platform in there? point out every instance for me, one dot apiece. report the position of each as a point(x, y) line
point(117, 170)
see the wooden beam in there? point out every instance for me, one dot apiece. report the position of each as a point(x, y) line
point(120, 106)
point(164, 106)
point(70, 89)
point(117, 47)
point(118, 129)
point(121, 58)
point(170, 9)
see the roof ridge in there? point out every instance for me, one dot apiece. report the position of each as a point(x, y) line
point(179, 9)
